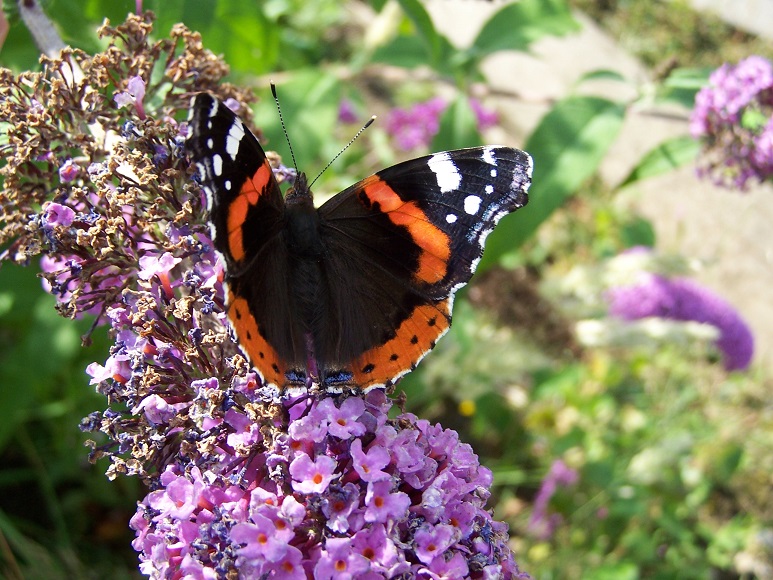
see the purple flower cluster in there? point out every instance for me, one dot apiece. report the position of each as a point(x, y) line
point(344, 492)
point(542, 524)
point(415, 127)
point(683, 299)
point(734, 118)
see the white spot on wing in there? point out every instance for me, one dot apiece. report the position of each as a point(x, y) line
point(446, 172)
point(235, 134)
point(213, 110)
point(493, 173)
point(217, 165)
point(489, 189)
point(472, 204)
point(488, 156)
point(227, 184)
point(210, 201)
point(451, 218)
point(210, 143)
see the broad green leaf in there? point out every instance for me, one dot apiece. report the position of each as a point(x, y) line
point(410, 52)
point(458, 127)
point(424, 26)
point(667, 156)
point(567, 147)
point(681, 86)
point(517, 25)
point(403, 51)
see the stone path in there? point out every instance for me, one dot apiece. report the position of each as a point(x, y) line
point(731, 233)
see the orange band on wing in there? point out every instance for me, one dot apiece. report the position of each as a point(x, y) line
point(414, 338)
point(434, 243)
point(261, 354)
point(237, 210)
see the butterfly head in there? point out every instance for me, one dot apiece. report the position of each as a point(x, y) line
point(299, 193)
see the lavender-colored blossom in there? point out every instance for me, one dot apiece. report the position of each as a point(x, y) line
point(343, 422)
point(312, 475)
point(68, 171)
point(369, 464)
point(415, 127)
point(339, 561)
point(683, 299)
point(347, 112)
point(155, 408)
point(133, 95)
point(151, 265)
point(233, 105)
point(259, 539)
point(542, 524)
point(56, 214)
point(383, 504)
point(339, 504)
point(486, 118)
point(733, 118)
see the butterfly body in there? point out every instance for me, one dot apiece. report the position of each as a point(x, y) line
point(351, 295)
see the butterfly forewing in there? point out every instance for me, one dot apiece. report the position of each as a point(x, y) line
point(242, 193)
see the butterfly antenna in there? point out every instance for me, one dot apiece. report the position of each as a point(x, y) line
point(353, 139)
point(284, 128)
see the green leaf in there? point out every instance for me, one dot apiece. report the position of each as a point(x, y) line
point(410, 52)
point(638, 232)
point(667, 156)
point(241, 32)
point(681, 86)
point(424, 27)
point(567, 147)
point(458, 127)
point(517, 25)
point(603, 75)
point(403, 51)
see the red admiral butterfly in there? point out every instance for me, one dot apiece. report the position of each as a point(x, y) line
point(352, 295)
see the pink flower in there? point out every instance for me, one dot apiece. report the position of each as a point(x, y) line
point(369, 465)
point(68, 171)
point(133, 95)
point(260, 539)
point(312, 476)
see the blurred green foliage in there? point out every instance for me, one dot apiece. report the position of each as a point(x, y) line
point(672, 454)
